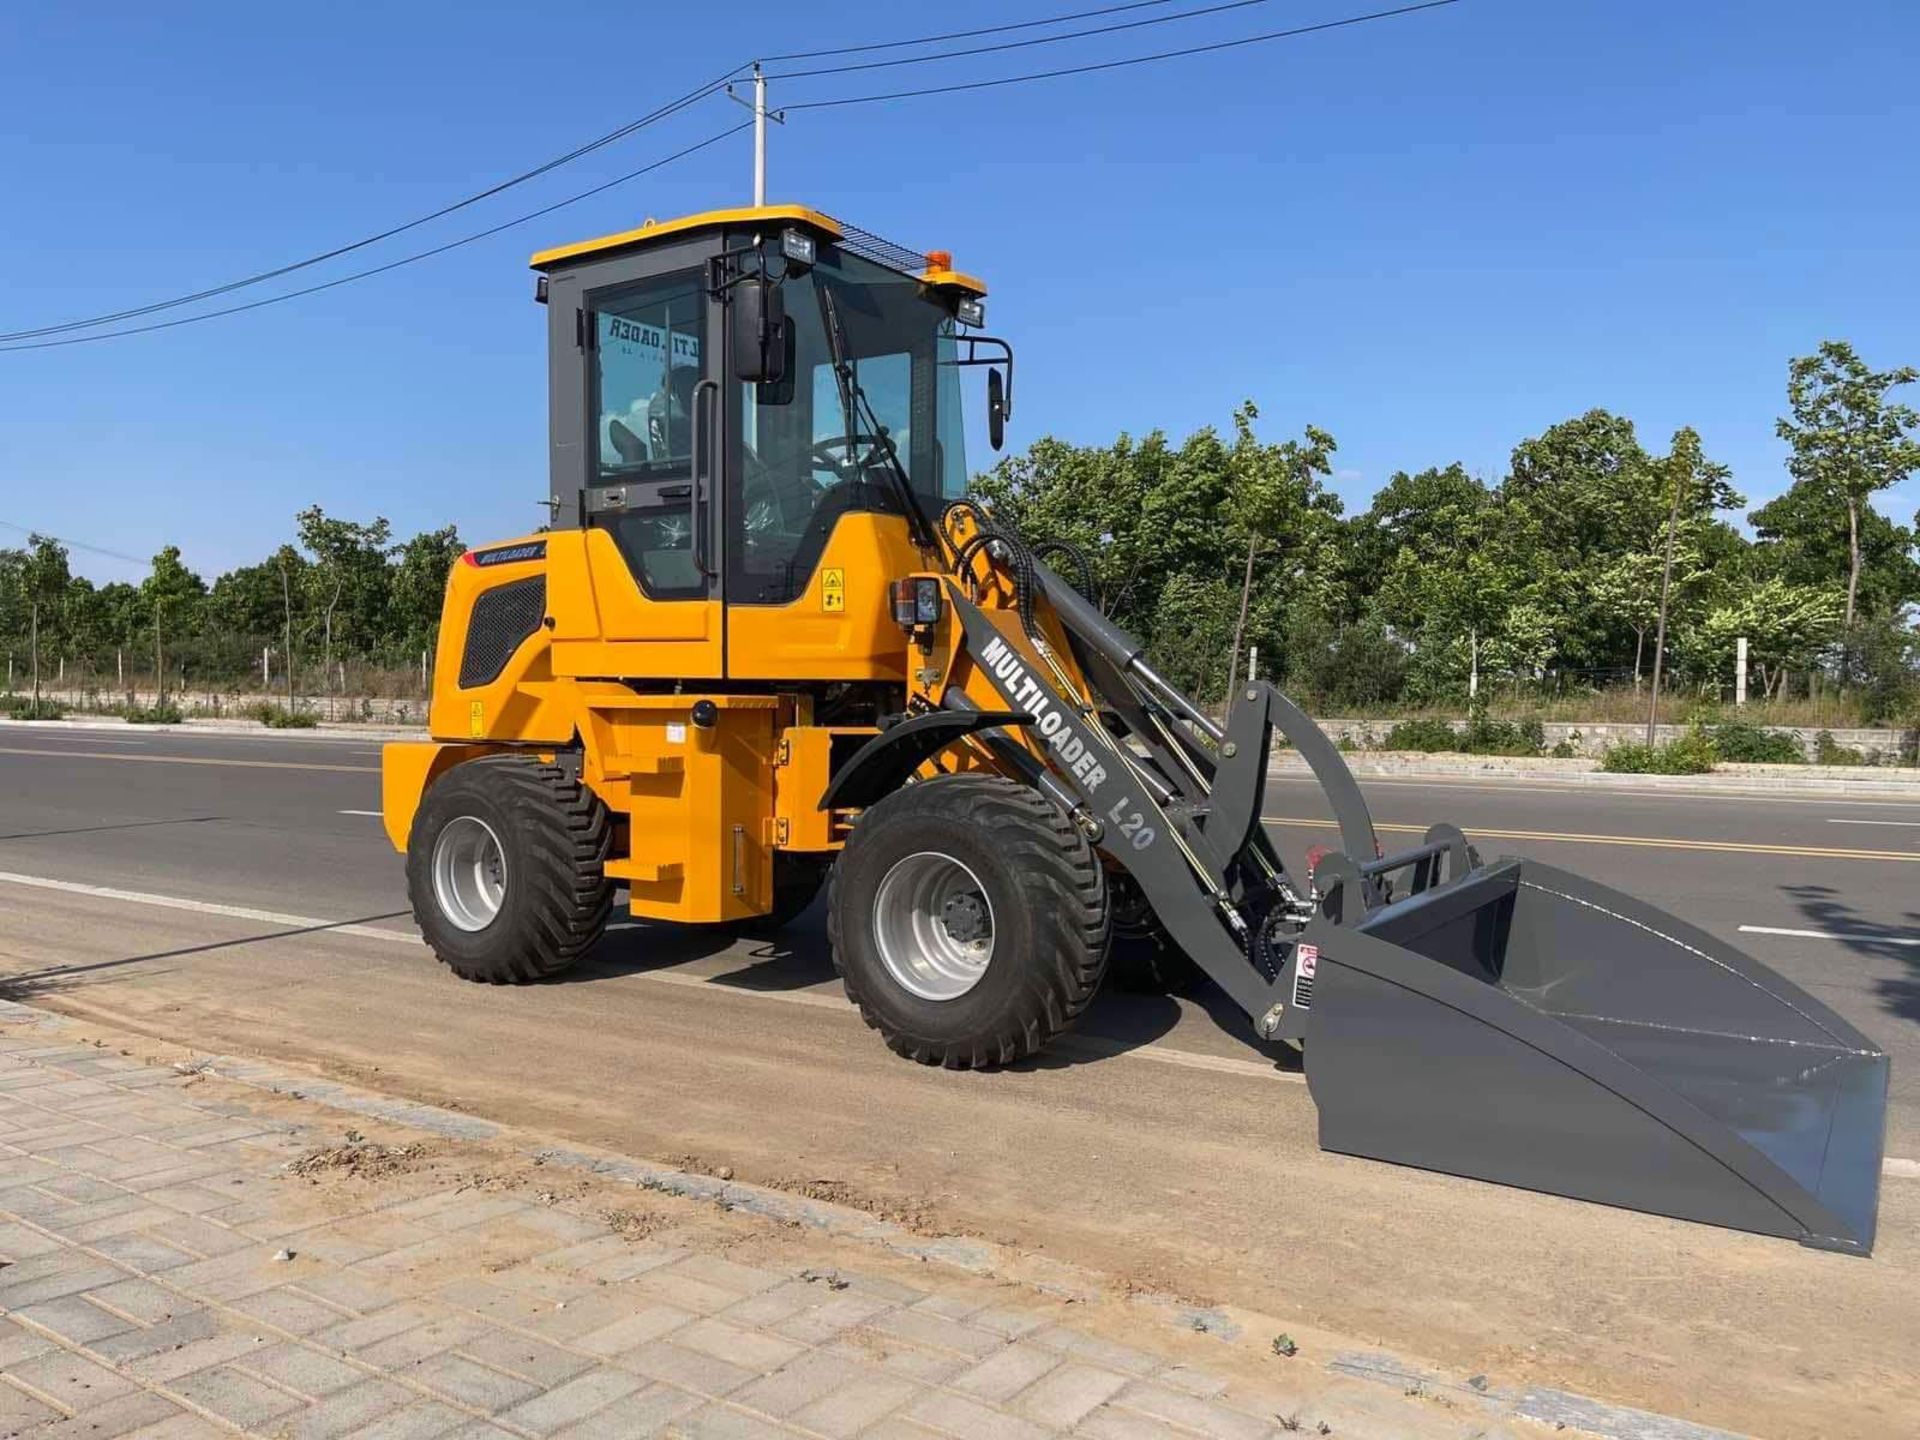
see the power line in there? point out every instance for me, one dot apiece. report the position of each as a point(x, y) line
point(28, 530)
point(671, 108)
point(966, 34)
point(391, 264)
point(1020, 44)
point(1121, 64)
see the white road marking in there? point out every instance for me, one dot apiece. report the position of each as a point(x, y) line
point(1879, 937)
point(374, 813)
point(1910, 824)
point(207, 907)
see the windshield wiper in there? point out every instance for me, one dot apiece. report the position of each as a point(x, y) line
point(856, 406)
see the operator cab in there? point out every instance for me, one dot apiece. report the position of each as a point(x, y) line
point(726, 387)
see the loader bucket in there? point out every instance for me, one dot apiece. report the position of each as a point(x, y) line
point(1522, 1025)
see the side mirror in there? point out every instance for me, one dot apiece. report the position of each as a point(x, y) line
point(996, 409)
point(759, 339)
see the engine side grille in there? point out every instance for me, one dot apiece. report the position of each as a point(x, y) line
point(503, 617)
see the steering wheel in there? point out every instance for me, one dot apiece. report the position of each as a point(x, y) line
point(834, 453)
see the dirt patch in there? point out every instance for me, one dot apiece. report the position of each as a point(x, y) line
point(357, 1158)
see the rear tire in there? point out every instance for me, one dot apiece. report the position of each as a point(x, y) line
point(1145, 960)
point(505, 869)
point(968, 918)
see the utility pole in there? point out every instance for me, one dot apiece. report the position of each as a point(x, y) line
point(36, 658)
point(1666, 582)
point(159, 660)
point(1740, 671)
point(761, 115)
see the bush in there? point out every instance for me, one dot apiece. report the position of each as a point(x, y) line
point(1829, 751)
point(1564, 750)
point(275, 718)
point(1429, 735)
point(163, 713)
point(1481, 737)
point(1691, 754)
point(22, 707)
point(1750, 745)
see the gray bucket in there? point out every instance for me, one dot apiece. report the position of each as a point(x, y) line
point(1522, 1025)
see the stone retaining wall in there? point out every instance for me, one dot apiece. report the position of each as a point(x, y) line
point(1888, 747)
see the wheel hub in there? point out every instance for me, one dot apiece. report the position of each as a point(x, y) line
point(933, 925)
point(469, 873)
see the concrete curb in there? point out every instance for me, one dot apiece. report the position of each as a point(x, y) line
point(1560, 1410)
point(235, 729)
point(1901, 783)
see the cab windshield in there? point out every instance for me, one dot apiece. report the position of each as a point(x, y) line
point(824, 441)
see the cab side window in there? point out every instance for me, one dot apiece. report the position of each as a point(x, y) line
point(648, 347)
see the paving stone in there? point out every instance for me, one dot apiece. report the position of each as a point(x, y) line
point(307, 1372)
point(423, 1420)
point(194, 1198)
point(17, 1344)
point(75, 1274)
point(935, 1332)
point(717, 1422)
point(651, 1411)
point(1008, 1322)
point(1173, 1407)
point(1107, 1423)
point(969, 1420)
point(729, 1274)
point(143, 1300)
point(637, 1328)
point(75, 1319)
point(229, 1277)
point(688, 1369)
point(561, 1225)
point(836, 1314)
point(1205, 1384)
point(126, 1415)
point(1007, 1372)
point(142, 1252)
point(848, 1411)
point(471, 1384)
point(1096, 1351)
point(20, 1412)
point(347, 1411)
point(814, 1375)
point(770, 1307)
point(164, 1366)
point(754, 1350)
point(187, 1327)
point(685, 1292)
point(1069, 1394)
point(234, 1395)
point(472, 1208)
point(69, 1379)
point(202, 1236)
point(898, 1427)
point(958, 1306)
point(382, 1324)
point(19, 1242)
point(532, 1360)
point(411, 1348)
point(566, 1322)
point(350, 1292)
point(574, 1401)
point(289, 1310)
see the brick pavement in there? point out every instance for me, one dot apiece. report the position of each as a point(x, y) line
point(164, 1278)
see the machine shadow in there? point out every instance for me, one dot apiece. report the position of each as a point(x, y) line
point(54, 979)
point(1827, 911)
point(797, 959)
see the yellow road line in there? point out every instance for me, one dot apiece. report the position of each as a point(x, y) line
point(189, 760)
point(1655, 842)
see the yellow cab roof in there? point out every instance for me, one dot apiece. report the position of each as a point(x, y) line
point(938, 272)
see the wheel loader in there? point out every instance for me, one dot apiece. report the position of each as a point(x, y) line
point(768, 644)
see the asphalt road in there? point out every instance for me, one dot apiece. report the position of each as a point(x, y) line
point(1158, 1144)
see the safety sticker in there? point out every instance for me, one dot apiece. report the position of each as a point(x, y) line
point(476, 720)
point(833, 588)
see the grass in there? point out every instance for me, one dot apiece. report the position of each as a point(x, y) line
point(24, 707)
point(164, 712)
point(1691, 754)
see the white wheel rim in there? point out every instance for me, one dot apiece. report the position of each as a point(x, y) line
point(469, 873)
point(934, 926)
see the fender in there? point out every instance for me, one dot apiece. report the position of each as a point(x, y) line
point(883, 764)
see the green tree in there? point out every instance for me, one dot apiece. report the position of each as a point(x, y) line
point(348, 581)
point(418, 588)
point(1849, 441)
point(171, 596)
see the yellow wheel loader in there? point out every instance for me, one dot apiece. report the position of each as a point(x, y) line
point(767, 643)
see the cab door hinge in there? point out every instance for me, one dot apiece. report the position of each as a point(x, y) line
point(783, 752)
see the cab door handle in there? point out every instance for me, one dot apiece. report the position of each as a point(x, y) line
point(704, 419)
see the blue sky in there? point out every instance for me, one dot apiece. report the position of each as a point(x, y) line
point(1431, 236)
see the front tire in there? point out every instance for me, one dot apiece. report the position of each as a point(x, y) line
point(506, 869)
point(969, 921)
